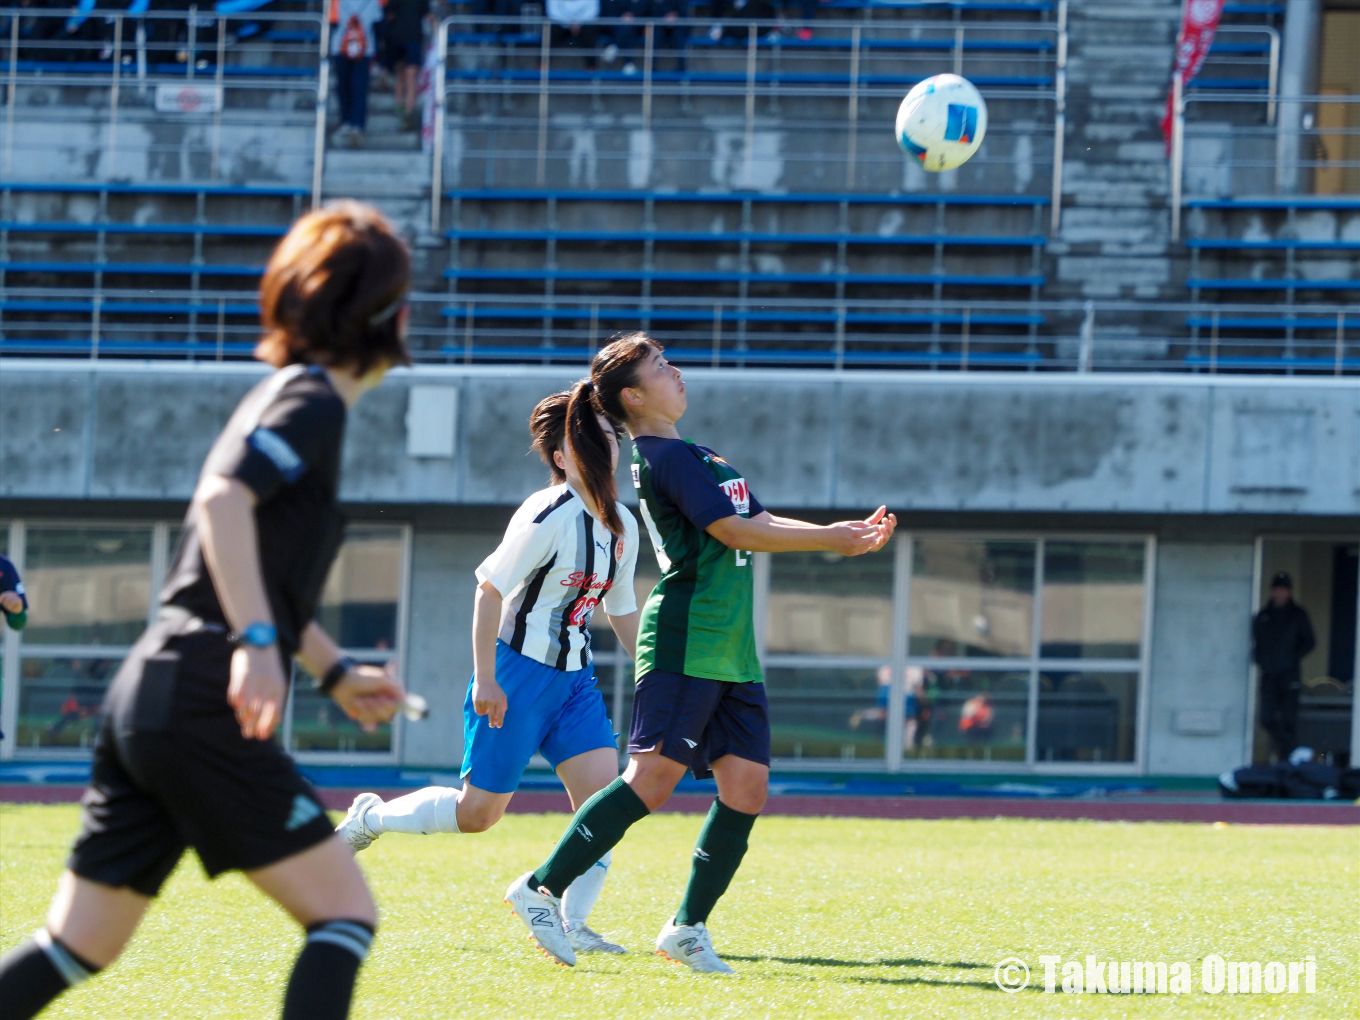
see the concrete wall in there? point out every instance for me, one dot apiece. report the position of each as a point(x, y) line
point(918, 441)
point(1198, 695)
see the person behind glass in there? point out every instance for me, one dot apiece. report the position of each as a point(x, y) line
point(185, 754)
point(573, 25)
point(404, 42)
point(1281, 635)
point(353, 46)
point(13, 601)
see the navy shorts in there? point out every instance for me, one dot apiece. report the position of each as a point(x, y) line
point(696, 721)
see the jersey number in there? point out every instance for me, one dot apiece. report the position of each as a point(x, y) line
point(742, 559)
point(581, 612)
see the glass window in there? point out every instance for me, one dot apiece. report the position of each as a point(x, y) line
point(87, 585)
point(1092, 600)
point(827, 604)
point(359, 603)
point(319, 724)
point(1086, 716)
point(965, 714)
point(972, 597)
point(828, 713)
point(59, 700)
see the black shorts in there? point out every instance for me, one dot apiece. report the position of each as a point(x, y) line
point(172, 770)
point(696, 721)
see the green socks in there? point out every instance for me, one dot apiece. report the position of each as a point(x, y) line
point(717, 855)
point(597, 827)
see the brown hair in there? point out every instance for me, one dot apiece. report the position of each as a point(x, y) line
point(615, 368)
point(568, 420)
point(333, 292)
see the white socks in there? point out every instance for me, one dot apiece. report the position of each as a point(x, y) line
point(433, 809)
point(579, 899)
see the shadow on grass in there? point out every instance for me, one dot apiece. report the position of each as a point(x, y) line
point(825, 961)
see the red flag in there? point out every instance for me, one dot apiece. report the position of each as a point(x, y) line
point(1199, 21)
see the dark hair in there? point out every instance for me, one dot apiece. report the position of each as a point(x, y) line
point(615, 368)
point(568, 420)
point(333, 292)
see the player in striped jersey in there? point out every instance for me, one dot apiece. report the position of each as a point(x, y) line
point(700, 701)
point(568, 548)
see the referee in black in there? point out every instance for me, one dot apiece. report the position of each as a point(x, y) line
point(184, 756)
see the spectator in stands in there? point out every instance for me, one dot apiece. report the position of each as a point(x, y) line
point(353, 46)
point(573, 25)
point(806, 11)
point(626, 37)
point(404, 40)
point(1281, 635)
point(742, 13)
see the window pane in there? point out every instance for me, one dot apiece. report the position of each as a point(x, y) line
point(826, 604)
point(319, 724)
point(359, 603)
point(87, 585)
point(1093, 600)
point(827, 713)
point(59, 700)
point(1086, 716)
point(963, 714)
point(971, 597)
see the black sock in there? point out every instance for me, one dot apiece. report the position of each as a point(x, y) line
point(595, 830)
point(35, 973)
point(717, 855)
point(322, 983)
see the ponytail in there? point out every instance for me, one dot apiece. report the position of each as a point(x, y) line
point(590, 446)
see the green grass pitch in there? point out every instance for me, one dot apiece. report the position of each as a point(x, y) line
point(827, 918)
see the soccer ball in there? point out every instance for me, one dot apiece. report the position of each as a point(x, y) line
point(941, 122)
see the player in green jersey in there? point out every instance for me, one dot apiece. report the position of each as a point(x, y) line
point(700, 701)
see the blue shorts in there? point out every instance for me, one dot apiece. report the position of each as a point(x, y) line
point(696, 721)
point(560, 714)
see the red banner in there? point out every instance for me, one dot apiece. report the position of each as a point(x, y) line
point(1199, 22)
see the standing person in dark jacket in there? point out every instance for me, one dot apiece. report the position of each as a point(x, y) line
point(1281, 635)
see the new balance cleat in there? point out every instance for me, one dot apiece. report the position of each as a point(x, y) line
point(585, 939)
point(691, 945)
point(542, 914)
point(354, 829)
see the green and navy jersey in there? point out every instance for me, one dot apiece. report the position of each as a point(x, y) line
point(699, 620)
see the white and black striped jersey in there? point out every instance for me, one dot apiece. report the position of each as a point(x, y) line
point(553, 567)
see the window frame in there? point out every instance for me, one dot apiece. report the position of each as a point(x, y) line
point(1035, 664)
point(16, 649)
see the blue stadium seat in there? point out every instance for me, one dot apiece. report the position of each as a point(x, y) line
point(1267, 322)
point(511, 74)
point(765, 197)
point(1278, 202)
point(1268, 285)
point(701, 276)
point(86, 187)
point(147, 229)
point(137, 268)
point(1267, 363)
point(81, 306)
point(1272, 244)
point(706, 356)
point(706, 314)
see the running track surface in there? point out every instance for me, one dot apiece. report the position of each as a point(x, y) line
point(1199, 809)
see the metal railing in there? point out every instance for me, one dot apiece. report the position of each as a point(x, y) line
point(1227, 159)
point(172, 88)
point(529, 104)
point(949, 335)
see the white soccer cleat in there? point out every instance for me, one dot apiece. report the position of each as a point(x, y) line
point(691, 945)
point(585, 939)
point(542, 914)
point(354, 830)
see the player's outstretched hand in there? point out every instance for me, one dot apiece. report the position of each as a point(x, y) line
point(369, 695)
point(489, 700)
point(855, 538)
point(256, 690)
point(10, 602)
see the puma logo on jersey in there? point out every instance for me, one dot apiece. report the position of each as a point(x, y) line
point(602, 546)
point(738, 492)
point(691, 743)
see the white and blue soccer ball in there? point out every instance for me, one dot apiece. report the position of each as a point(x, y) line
point(942, 122)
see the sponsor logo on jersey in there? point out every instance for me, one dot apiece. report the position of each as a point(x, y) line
point(691, 743)
point(585, 833)
point(618, 550)
point(637, 477)
point(738, 492)
point(580, 579)
point(304, 810)
point(280, 454)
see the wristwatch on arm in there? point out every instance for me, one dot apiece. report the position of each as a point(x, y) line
point(257, 635)
point(335, 674)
